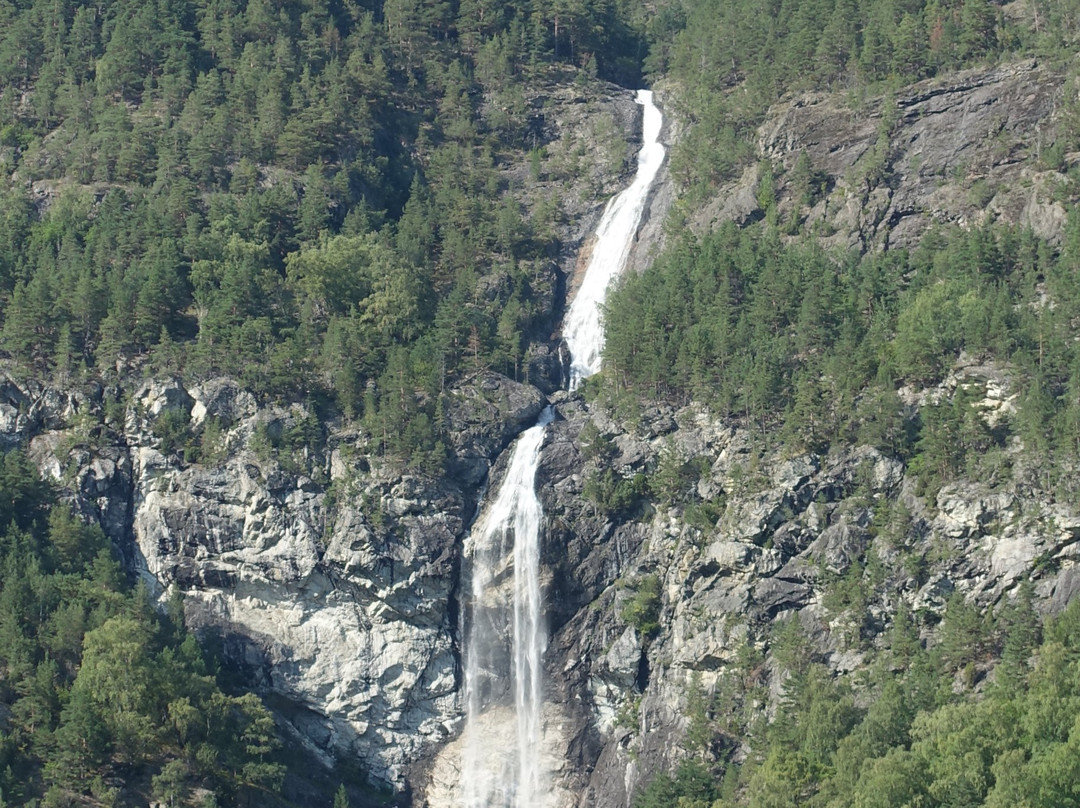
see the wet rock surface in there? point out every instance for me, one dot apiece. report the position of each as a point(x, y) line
point(327, 574)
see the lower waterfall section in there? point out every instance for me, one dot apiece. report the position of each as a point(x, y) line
point(506, 636)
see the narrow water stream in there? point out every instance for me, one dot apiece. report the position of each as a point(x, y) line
point(506, 635)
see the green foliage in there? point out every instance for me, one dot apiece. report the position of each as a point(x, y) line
point(911, 738)
point(97, 686)
point(642, 609)
point(810, 347)
point(693, 785)
point(929, 331)
point(847, 595)
point(613, 494)
point(309, 199)
point(699, 731)
point(341, 798)
point(964, 634)
point(173, 430)
point(594, 445)
point(790, 645)
point(675, 479)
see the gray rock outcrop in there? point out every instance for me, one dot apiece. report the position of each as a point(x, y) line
point(768, 541)
point(964, 149)
point(328, 575)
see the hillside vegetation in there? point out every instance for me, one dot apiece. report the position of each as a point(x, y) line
point(353, 205)
point(774, 322)
point(310, 197)
point(96, 687)
point(916, 742)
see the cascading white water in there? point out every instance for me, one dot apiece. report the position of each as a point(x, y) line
point(505, 638)
point(511, 523)
point(583, 326)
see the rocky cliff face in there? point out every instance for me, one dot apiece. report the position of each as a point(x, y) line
point(331, 579)
point(968, 149)
point(652, 604)
point(746, 540)
point(328, 576)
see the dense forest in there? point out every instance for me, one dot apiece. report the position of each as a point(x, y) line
point(811, 347)
point(301, 195)
point(310, 197)
point(267, 189)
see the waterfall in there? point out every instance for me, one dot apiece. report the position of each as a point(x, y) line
point(508, 533)
point(505, 637)
point(583, 327)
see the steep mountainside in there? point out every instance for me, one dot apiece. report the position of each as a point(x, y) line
point(970, 149)
point(679, 548)
point(281, 282)
point(763, 556)
point(325, 573)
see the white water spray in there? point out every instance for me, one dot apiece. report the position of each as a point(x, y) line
point(505, 639)
point(583, 327)
point(490, 776)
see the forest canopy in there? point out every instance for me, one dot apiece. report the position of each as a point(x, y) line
point(303, 195)
point(94, 681)
point(810, 347)
point(311, 197)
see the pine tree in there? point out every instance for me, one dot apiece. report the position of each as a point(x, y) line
point(341, 797)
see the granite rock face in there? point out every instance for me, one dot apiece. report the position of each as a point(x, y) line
point(488, 412)
point(752, 539)
point(964, 149)
point(327, 574)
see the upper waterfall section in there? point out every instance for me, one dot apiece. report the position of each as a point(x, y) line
point(582, 327)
